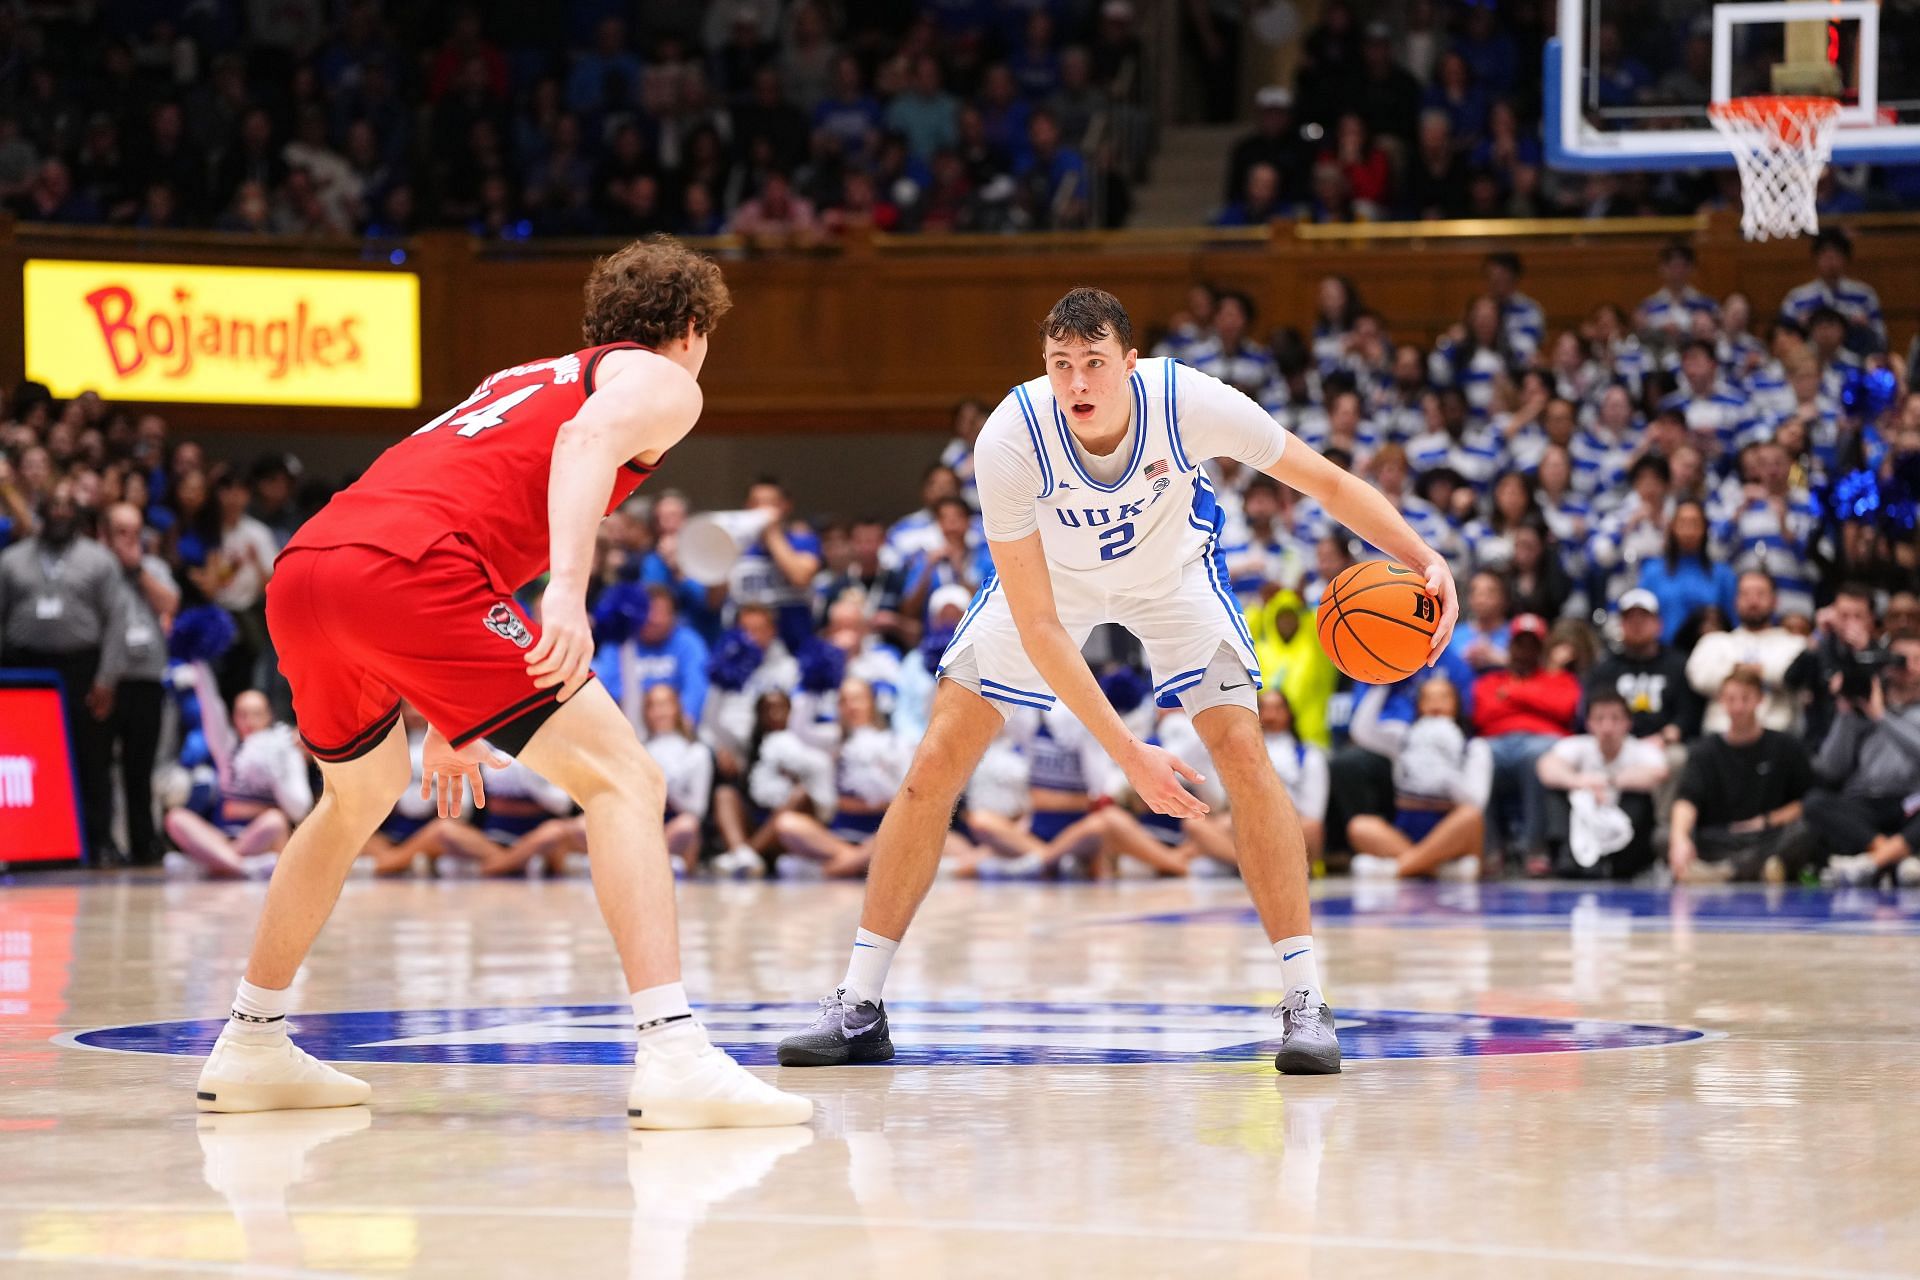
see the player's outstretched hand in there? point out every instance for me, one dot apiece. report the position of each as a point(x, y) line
point(1440, 587)
point(1155, 774)
point(447, 773)
point(564, 653)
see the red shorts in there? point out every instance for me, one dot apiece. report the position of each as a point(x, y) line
point(357, 629)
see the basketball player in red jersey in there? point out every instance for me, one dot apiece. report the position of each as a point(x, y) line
point(402, 587)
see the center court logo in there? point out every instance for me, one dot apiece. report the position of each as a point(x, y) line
point(928, 1033)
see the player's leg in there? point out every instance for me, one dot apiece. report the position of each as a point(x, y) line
point(1202, 655)
point(254, 1066)
point(589, 750)
point(852, 1025)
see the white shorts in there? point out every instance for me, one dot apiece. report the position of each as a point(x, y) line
point(1197, 643)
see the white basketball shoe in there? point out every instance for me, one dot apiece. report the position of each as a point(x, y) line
point(681, 1081)
point(272, 1074)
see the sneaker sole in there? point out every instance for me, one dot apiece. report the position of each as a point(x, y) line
point(706, 1113)
point(854, 1055)
point(227, 1099)
point(1302, 1065)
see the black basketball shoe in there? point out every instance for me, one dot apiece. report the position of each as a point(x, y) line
point(843, 1034)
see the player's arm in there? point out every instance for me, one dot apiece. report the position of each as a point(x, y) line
point(1154, 773)
point(642, 408)
point(1365, 510)
point(1217, 421)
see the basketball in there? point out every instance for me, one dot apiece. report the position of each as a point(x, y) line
point(1377, 620)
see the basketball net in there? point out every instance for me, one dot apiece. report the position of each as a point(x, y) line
point(1781, 145)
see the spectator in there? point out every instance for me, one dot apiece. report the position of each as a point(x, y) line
point(778, 569)
point(926, 115)
point(1859, 817)
point(1521, 318)
point(1481, 637)
point(240, 552)
point(776, 213)
point(263, 789)
point(1758, 644)
point(1600, 788)
point(1688, 577)
point(1741, 794)
point(62, 608)
point(1384, 93)
point(1052, 179)
point(687, 766)
point(1832, 288)
point(149, 599)
point(1844, 647)
point(1436, 181)
point(1454, 94)
point(1719, 415)
point(1648, 675)
point(1292, 664)
point(1441, 784)
point(870, 763)
point(1229, 354)
point(1258, 205)
point(807, 61)
point(1771, 528)
point(664, 650)
point(1276, 142)
point(849, 115)
point(1521, 711)
point(1666, 315)
point(1364, 166)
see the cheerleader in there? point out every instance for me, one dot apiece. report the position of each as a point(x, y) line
point(263, 788)
point(869, 768)
point(688, 768)
point(783, 773)
point(1441, 782)
point(414, 827)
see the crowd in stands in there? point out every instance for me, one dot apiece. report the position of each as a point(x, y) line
point(1684, 535)
point(785, 121)
point(1438, 115)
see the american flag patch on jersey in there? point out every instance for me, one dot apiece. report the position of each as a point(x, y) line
point(1155, 469)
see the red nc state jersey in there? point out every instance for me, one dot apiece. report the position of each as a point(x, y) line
point(478, 472)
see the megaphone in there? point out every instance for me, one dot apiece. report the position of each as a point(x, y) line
point(711, 541)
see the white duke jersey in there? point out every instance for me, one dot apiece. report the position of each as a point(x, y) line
point(1134, 519)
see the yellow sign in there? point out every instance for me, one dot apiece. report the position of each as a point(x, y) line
point(224, 335)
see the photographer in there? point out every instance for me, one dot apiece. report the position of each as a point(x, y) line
point(1861, 822)
point(1844, 648)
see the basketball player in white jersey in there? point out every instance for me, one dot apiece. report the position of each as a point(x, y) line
point(1096, 510)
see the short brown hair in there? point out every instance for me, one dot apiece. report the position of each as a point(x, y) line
point(1741, 676)
point(650, 291)
point(1089, 315)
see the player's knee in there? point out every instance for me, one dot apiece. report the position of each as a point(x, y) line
point(1238, 745)
point(625, 771)
point(934, 777)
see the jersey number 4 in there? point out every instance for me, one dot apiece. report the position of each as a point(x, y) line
point(475, 418)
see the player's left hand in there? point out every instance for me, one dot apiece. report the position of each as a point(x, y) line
point(446, 773)
point(1440, 587)
point(564, 653)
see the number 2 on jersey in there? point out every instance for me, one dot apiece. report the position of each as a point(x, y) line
point(1117, 541)
point(487, 413)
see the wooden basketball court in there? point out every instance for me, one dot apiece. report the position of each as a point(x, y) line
point(1541, 1082)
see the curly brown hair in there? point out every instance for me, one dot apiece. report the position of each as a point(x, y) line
point(650, 291)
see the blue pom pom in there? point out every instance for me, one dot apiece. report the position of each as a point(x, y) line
point(192, 549)
point(193, 749)
point(822, 667)
point(734, 661)
point(1868, 393)
point(202, 634)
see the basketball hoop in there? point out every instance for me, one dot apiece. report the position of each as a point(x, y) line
point(1781, 145)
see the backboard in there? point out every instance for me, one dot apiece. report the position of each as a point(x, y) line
point(1628, 82)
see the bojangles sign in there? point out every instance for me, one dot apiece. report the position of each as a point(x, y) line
point(224, 335)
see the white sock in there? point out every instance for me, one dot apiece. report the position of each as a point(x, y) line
point(260, 1013)
point(662, 1015)
point(1297, 967)
point(867, 966)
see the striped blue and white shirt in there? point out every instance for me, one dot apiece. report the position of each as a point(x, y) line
point(1854, 299)
point(1663, 309)
point(1525, 323)
point(1757, 538)
point(1249, 367)
point(1474, 375)
point(1476, 455)
point(1723, 416)
point(1600, 464)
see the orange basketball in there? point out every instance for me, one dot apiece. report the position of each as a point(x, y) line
point(1377, 620)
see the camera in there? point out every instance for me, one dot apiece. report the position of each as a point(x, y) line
point(1861, 669)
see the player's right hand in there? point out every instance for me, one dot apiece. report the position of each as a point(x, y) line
point(564, 653)
point(446, 773)
point(1155, 774)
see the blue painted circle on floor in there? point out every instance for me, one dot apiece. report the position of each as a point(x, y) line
point(927, 1033)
